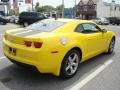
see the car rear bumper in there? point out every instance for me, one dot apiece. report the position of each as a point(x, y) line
point(43, 60)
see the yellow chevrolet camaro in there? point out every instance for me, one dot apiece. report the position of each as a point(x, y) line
point(57, 46)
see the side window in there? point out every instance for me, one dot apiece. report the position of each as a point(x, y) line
point(79, 28)
point(90, 28)
point(35, 14)
point(97, 19)
point(40, 15)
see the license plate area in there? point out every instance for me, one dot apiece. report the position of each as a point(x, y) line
point(12, 51)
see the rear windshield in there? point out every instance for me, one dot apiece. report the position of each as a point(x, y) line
point(45, 25)
point(29, 14)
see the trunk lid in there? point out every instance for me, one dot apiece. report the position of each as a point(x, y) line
point(21, 35)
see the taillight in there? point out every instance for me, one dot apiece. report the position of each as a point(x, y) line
point(37, 44)
point(28, 43)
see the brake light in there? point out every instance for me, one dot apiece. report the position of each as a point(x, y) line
point(37, 44)
point(28, 43)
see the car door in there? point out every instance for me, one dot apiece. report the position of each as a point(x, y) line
point(95, 39)
point(34, 17)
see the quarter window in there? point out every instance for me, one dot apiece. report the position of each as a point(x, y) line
point(79, 28)
point(90, 28)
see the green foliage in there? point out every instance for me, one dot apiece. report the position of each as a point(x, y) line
point(59, 8)
point(46, 8)
point(49, 8)
point(40, 9)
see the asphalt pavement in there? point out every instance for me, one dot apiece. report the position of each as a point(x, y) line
point(99, 73)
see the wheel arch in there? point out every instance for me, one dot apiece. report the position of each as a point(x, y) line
point(114, 37)
point(78, 49)
point(74, 48)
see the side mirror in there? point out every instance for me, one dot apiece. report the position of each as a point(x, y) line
point(103, 30)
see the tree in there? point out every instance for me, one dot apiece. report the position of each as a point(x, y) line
point(46, 8)
point(40, 9)
point(49, 8)
point(36, 6)
point(59, 8)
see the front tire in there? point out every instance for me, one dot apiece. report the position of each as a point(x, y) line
point(118, 24)
point(70, 64)
point(111, 46)
point(3, 23)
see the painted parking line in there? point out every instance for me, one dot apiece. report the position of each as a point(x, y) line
point(118, 37)
point(2, 58)
point(80, 84)
point(3, 87)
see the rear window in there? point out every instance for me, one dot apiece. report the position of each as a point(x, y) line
point(28, 14)
point(45, 25)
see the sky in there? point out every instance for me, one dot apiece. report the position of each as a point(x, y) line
point(68, 3)
point(54, 3)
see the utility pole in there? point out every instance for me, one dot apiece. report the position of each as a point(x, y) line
point(62, 8)
point(32, 6)
point(75, 8)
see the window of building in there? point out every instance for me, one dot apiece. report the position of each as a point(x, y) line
point(90, 2)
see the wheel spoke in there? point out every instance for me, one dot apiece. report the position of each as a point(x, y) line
point(68, 67)
point(74, 58)
point(74, 64)
point(72, 70)
point(70, 59)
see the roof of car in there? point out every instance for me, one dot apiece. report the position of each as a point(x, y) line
point(70, 20)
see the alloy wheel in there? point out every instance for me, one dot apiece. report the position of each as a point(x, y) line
point(72, 64)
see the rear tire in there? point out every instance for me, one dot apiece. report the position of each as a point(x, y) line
point(113, 23)
point(70, 64)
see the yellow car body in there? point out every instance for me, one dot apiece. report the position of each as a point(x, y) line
point(55, 45)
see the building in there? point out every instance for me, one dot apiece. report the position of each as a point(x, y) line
point(14, 7)
point(88, 9)
point(69, 13)
point(108, 9)
point(24, 5)
point(18, 6)
point(4, 8)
